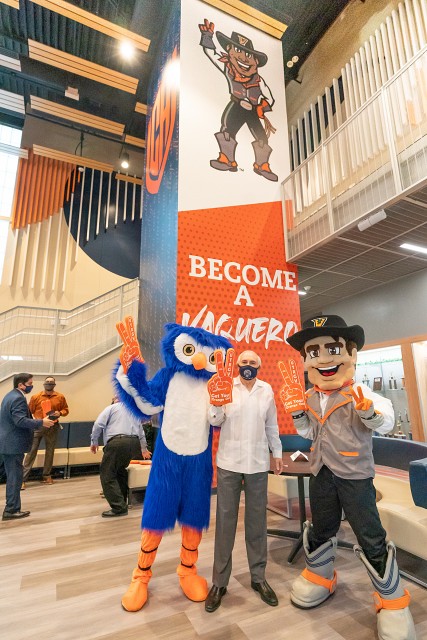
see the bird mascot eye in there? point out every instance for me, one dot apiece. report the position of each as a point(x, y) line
point(189, 349)
point(212, 358)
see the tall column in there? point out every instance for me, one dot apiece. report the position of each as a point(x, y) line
point(213, 252)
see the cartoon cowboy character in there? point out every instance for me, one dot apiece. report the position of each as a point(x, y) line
point(340, 418)
point(250, 99)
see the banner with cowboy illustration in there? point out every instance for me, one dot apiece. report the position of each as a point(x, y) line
point(233, 126)
point(212, 252)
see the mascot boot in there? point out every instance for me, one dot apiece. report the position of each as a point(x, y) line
point(137, 594)
point(394, 620)
point(194, 586)
point(262, 152)
point(318, 581)
point(227, 150)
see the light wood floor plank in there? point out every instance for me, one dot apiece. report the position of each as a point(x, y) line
point(64, 570)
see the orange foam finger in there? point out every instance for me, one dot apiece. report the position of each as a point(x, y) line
point(229, 362)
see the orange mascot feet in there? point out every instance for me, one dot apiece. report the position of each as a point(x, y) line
point(137, 594)
point(194, 586)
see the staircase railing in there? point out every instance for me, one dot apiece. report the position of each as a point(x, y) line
point(53, 341)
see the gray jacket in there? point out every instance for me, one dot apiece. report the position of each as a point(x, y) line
point(341, 439)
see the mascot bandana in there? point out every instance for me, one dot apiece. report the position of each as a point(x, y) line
point(340, 420)
point(180, 479)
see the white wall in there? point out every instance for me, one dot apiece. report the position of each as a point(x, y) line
point(88, 391)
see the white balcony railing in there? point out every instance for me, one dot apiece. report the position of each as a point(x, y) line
point(51, 341)
point(376, 155)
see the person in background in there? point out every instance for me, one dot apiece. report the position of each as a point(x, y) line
point(124, 440)
point(16, 432)
point(54, 405)
point(248, 429)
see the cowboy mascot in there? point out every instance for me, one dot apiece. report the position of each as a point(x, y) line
point(250, 99)
point(340, 418)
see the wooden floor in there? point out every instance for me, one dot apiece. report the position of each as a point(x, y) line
point(63, 571)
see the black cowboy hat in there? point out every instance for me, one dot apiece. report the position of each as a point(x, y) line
point(327, 326)
point(237, 40)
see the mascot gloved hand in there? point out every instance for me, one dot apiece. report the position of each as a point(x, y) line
point(179, 485)
point(340, 418)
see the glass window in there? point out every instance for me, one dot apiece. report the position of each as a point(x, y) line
point(382, 371)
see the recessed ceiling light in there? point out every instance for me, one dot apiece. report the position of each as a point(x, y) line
point(127, 49)
point(289, 64)
point(302, 293)
point(295, 59)
point(413, 247)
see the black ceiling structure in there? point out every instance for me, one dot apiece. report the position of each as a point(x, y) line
point(308, 20)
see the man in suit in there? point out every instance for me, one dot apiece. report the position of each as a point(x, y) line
point(16, 436)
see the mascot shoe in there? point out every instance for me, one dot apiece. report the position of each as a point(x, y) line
point(195, 587)
point(394, 620)
point(137, 594)
point(318, 581)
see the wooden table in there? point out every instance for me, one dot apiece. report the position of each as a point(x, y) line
point(300, 470)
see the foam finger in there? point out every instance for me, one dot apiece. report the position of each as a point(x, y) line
point(229, 362)
point(219, 361)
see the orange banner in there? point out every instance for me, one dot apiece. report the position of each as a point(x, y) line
point(233, 279)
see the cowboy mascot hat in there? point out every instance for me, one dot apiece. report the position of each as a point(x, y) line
point(327, 326)
point(243, 43)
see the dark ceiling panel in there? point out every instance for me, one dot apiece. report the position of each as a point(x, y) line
point(329, 255)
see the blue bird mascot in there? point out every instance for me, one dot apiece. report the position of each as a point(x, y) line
point(198, 373)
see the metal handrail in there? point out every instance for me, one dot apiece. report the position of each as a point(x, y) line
point(45, 345)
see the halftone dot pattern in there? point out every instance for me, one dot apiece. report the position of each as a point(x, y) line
point(248, 235)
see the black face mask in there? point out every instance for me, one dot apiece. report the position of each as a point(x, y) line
point(247, 372)
point(49, 387)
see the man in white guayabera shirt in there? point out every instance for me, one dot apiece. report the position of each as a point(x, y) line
point(248, 430)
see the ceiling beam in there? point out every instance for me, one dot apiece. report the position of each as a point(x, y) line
point(140, 107)
point(13, 151)
point(12, 101)
point(11, 3)
point(251, 16)
point(80, 161)
point(136, 142)
point(75, 115)
point(93, 21)
point(81, 67)
point(125, 178)
point(10, 63)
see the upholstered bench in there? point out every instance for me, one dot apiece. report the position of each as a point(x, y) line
point(138, 475)
point(405, 523)
point(78, 456)
point(60, 459)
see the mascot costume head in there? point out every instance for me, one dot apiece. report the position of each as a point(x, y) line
point(329, 349)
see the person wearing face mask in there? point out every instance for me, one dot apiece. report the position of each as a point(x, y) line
point(248, 430)
point(16, 432)
point(54, 405)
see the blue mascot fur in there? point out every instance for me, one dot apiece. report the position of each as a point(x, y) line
point(180, 479)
